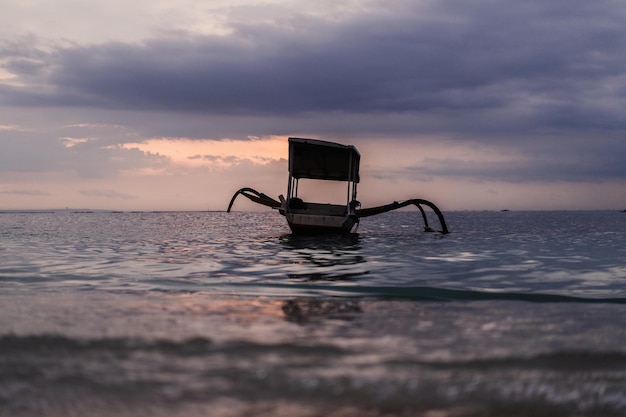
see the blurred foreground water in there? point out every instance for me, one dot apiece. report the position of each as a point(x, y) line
point(197, 314)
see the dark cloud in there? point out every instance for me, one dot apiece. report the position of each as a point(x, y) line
point(26, 192)
point(231, 160)
point(109, 194)
point(549, 158)
point(544, 62)
point(536, 170)
point(42, 152)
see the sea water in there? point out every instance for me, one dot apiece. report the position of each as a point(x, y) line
point(216, 314)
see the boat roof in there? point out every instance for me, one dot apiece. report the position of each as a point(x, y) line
point(322, 160)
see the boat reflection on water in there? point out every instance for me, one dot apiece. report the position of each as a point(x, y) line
point(305, 310)
point(324, 258)
point(329, 242)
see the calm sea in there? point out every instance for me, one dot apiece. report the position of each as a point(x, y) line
point(216, 314)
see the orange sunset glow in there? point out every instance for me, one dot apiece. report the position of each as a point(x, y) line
point(214, 153)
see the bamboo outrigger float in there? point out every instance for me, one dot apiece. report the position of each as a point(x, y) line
point(321, 160)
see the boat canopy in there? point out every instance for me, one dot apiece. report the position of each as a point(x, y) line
point(322, 160)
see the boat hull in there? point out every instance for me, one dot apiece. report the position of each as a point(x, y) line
point(321, 224)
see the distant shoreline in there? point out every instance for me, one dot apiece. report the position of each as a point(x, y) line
point(94, 211)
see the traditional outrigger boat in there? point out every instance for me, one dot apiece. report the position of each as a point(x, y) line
point(328, 161)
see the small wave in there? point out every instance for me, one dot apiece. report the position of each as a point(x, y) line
point(43, 344)
point(567, 361)
point(54, 344)
point(416, 293)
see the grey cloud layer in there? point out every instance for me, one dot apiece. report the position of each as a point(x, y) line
point(559, 57)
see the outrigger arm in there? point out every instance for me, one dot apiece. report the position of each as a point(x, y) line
point(255, 196)
point(372, 211)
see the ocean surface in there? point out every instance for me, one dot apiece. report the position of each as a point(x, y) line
point(227, 314)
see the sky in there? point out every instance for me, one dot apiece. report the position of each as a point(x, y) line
point(175, 105)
